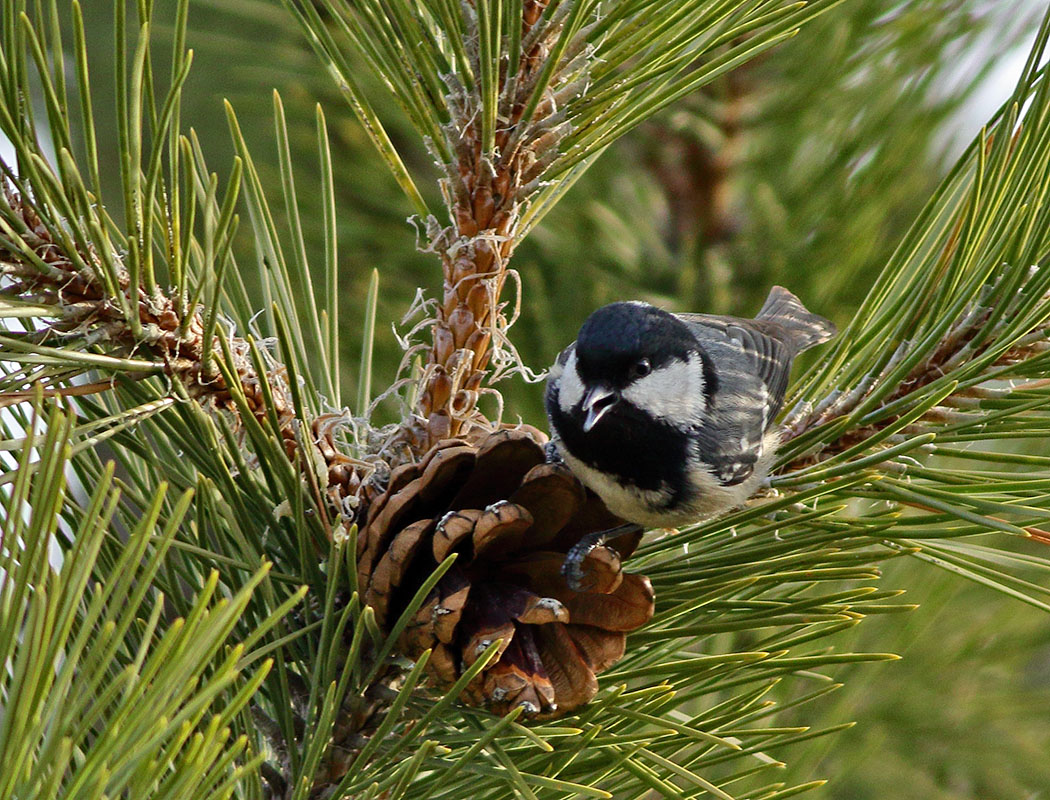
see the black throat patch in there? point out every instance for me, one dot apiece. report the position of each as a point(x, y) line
point(627, 444)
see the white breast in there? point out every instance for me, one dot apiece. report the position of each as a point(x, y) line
point(625, 501)
point(646, 507)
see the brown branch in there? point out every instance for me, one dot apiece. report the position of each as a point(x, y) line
point(84, 309)
point(485, 192)
point(957, 345)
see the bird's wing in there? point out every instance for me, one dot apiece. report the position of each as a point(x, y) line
point(751, 367)
point(754, 344)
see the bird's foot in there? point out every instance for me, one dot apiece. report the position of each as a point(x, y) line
point(550, 450)
point(572, 568)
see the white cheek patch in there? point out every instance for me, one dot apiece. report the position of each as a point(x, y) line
point(570, 388)
point(674, 392)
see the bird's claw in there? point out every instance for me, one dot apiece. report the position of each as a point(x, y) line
point(572, 568)
point(551, 454)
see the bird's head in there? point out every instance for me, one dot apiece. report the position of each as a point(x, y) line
point(637, 354)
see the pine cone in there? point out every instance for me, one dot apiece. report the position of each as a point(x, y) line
point(511, 518)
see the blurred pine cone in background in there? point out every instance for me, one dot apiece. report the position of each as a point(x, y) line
point(510, 517)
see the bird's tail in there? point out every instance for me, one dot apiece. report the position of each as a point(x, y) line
point(799, 328)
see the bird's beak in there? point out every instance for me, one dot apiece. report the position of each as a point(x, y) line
point(596, 402)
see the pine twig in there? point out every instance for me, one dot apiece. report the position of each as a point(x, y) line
point(485, 190)
point(172, 339)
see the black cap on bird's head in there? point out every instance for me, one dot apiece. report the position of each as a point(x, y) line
point(616, 339)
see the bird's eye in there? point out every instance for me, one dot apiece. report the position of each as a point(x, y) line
point(641, 368)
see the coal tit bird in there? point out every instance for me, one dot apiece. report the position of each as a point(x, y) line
point(669, 418)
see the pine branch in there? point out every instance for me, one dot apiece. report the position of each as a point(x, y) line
point(218, 372)
point(974, 337)
point(71, 721)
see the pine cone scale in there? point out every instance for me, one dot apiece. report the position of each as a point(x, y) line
point(501, 461)
point(453, 529)
point(393, 565)
point(454, 593)
point(573, 681)
point(500, 530)
point(551, 497)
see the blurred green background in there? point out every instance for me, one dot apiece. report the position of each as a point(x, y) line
point(804, 168)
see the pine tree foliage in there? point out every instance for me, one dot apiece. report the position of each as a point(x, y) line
point(724, 204)
point(134, 361)
point(90, 645)
point(968, 687)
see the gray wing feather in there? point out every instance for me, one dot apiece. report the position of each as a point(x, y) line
point(760, 352)
point(791, 322)
point(769, 343)
point(752, 368)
